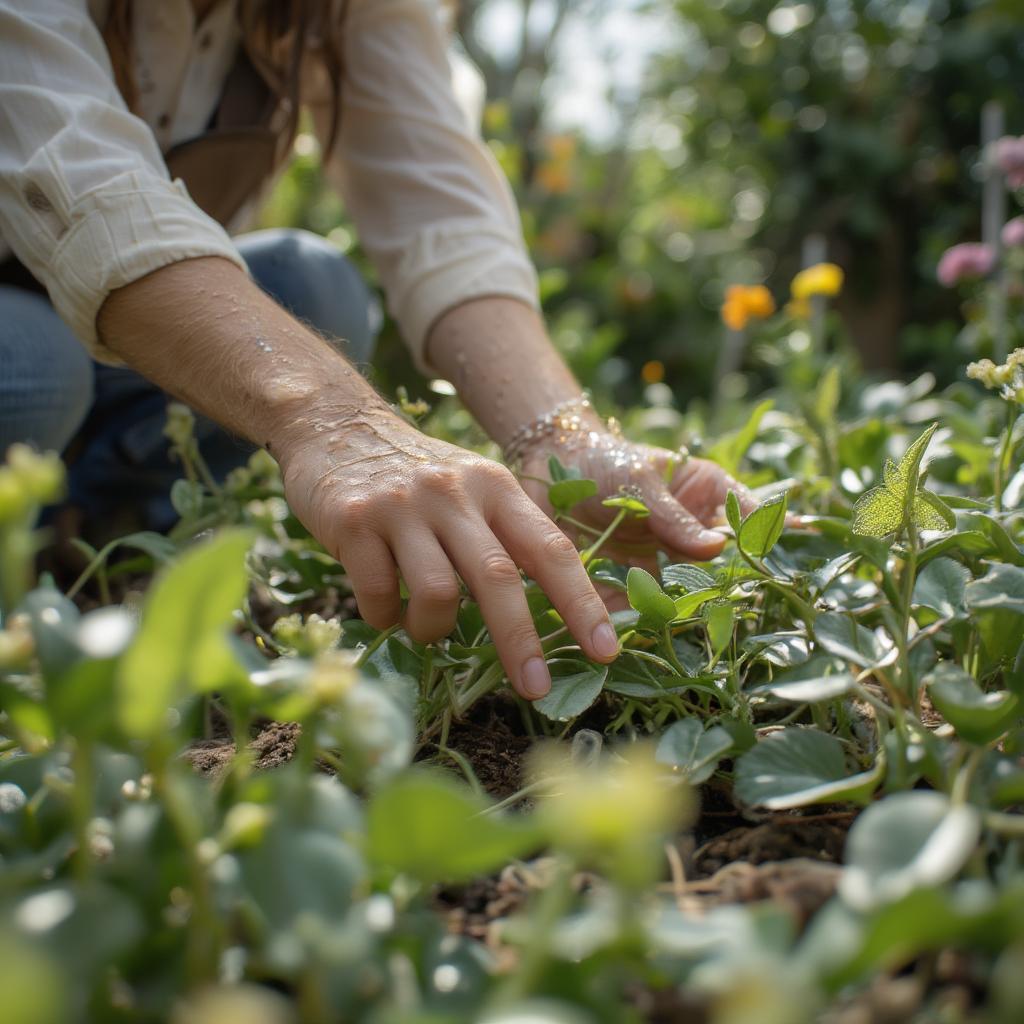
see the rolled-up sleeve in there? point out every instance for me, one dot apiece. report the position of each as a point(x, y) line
point(86, 202)
point(432, 208)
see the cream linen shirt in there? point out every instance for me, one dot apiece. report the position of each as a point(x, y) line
point(87, 204)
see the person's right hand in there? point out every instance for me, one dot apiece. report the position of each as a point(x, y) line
point(388, 501)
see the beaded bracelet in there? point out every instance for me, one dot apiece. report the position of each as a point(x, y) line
point(567, 416)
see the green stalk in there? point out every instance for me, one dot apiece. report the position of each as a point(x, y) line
point(369, 650)
point(907, 577)
point(588, 555)
point(1005, 452)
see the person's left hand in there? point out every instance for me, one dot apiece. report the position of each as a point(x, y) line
point(685, 495)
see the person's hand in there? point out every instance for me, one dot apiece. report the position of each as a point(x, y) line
point(388, 501)
point(685, 495)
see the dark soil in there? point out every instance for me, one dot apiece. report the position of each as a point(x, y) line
point(273, 745)
point(782, 838)
point(492, 741)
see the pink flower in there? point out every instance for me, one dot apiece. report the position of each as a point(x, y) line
point(964, 262)
point(1008, 154)
point(1013, 233)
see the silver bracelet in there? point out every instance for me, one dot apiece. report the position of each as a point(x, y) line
point(566, 417)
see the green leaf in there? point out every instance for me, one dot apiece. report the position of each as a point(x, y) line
point(886, 510)
point(943, 514)
point(563, 494)
point(1000, 589)
point(629, 503)
point(720, 619)
point(688, 605)
point(695, 753)
point(732, 512)
point(181, 644)
point(426, 826)
point(977, 716)
point(905, 842)
point(796, 767)
point(729, 451)
point(572, 695)
point(821, 679)
point(840, 634)
point(656, 608)
point(686, 577)
point(759, 532)
point(559, 472)
point(941, 585)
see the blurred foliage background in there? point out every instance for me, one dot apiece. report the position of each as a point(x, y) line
point(754, 132)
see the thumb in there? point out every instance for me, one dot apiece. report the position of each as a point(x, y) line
point(678, 529)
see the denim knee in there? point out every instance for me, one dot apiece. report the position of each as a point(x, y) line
point(318, 284)
point(46, 376)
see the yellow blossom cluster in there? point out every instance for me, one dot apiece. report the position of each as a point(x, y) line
point(1006, 378)
point(744, 303)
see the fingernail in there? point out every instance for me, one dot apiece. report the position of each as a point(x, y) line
point(535, 678)
point(604, 641)
point(710, 537)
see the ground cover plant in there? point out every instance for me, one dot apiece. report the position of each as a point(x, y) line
point(794, 796)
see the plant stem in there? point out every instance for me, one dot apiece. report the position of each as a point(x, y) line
point(907, 578)
point(1005, 451)
point(369, 650)
point(588, 555)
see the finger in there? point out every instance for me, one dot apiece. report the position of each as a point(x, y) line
point(373, 574)
point(496, 585)
point(432, 584)
point(679, 529)
point(549, 557)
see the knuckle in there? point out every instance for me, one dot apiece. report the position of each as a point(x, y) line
point(437, 590)
point(520, 635)
point(556, 547)
point(441, 479)
point(498, 570)
point(375, 592)
point(493, 474)
point(355, 513)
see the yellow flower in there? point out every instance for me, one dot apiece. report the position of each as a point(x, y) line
point(653, 371)
point(821, 279)
point(744, 303)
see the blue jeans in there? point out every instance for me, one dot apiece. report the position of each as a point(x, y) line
point(52, 392)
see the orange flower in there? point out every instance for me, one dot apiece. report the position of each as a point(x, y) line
point(653, 372)
point(744, 303)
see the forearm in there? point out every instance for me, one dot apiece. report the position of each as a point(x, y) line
point(497, 353)
point(206, 334)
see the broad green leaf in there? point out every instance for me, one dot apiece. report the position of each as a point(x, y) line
point(564, 494)
point(693, 751)
point(940, 509)
point(181, 643)
point(1007, 549)
point(977, 716)
point(826, 399)
point(970, 542)
point(905, 842)
point(780, 649)
point(572, 695)
point(729, 451)
point(720, 620)
point(843, 636)
point(796, 767)
point(688, 605)
point(1000, 589)
point(763, 527)
point(941, 586)
point(822, 678)
point(426, 826)
point(656, 608)
point(689, 578)
point(887, 509)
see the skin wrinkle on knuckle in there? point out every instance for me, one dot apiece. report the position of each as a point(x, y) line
point(436, 592)
point(498, 570)
point(521, 637)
